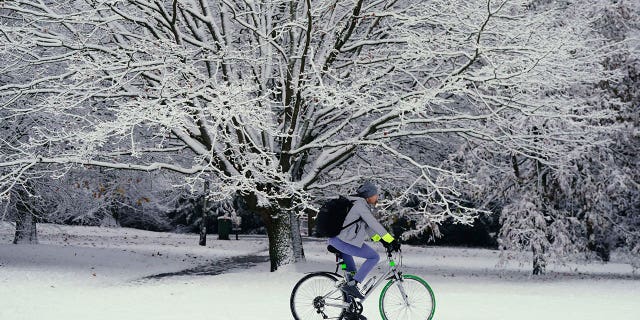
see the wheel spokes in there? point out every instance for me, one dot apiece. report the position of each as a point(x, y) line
point(416, 304)
point(313, 295)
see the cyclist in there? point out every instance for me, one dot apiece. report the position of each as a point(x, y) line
point(350, 242)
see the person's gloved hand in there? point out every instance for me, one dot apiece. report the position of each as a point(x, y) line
point(392, 246)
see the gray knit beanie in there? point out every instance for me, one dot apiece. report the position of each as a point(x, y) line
point(367, 190)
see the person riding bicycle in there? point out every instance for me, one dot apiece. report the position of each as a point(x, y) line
point(350, 241)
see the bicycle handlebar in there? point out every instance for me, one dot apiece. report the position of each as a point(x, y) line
point(390, 251)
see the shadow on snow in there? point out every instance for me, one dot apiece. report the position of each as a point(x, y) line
point(216, 267)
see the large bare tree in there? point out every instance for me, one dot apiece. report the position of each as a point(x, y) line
point(280, 100)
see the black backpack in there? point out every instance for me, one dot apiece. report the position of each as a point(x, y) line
point(331, 217)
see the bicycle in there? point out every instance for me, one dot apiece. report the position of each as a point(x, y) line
point(318, 296)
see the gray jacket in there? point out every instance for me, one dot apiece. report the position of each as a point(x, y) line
point(368, 227)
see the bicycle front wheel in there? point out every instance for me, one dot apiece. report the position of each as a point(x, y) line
point(316, 296)
point(409, 299)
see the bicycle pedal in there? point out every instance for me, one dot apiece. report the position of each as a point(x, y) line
point(354, 316)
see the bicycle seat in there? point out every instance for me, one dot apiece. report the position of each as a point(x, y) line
point(335, 251)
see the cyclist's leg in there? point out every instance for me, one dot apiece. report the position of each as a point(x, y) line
point(351, 264)
point(372, 258)
point(348, 259)
point(365, 251)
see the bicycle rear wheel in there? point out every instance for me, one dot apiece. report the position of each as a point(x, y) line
point(420, 303)
point(316, 296)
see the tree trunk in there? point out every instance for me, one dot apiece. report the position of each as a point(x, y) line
point(294, 226)
point(203, 229)
point(280, 240)
point(296, 238)
point(596, 243)
point(283, 249)
point(539, 262)
point(203, 217)
point(26, 232)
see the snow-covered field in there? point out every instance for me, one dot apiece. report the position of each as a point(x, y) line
point(99, 273)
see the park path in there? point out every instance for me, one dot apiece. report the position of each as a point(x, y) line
point(217, 267)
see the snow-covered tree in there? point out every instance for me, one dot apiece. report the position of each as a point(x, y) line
point(91, 196)
point(279, 100)
point(616, 167)
point(584, 199)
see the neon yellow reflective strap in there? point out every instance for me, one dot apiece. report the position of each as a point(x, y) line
point(387, 238)
point(376, 238)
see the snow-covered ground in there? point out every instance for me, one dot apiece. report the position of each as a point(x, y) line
point(98, 273)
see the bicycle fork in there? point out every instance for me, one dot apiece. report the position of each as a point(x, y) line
point(399, 282)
